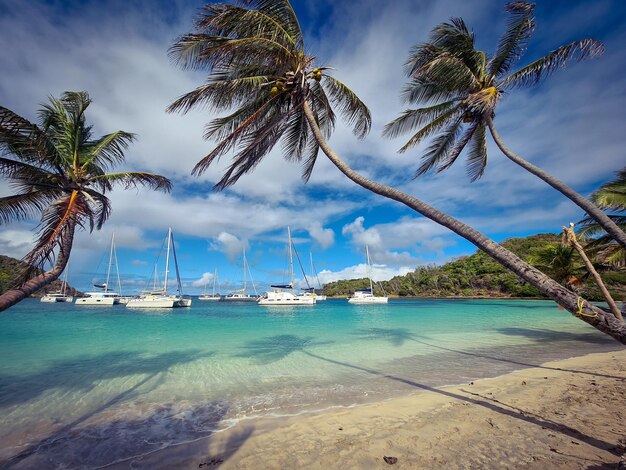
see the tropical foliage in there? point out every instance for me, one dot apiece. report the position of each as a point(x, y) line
point(262, 75)
point(58, 171)
point(461, 87)
point(11, 269)
point(478, 275)
point(610, 197)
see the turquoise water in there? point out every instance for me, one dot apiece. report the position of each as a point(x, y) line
point(88, 386)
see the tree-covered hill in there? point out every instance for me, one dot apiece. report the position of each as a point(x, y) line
point(478, 275)
point(10, 268)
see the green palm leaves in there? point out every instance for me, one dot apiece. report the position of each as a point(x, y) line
point(610, 196)
point(463, 87)
point(57, 169)
point(261, 76)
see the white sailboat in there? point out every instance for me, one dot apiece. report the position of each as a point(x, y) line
point(283, 294)
point(60, 296)
point(366, 296)
point(311, 291)
point(106, 296)
point(159, 298)
point(241, 295)
point(213, 296)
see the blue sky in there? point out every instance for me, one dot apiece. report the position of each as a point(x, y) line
point(572, 125)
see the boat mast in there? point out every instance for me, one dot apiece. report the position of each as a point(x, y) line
point(64, 285)
point(106, 286)
point(369, 268)
point(167, 259)
point(214, 279)
point(244, 272)
point(117, 270)
point(291, 275)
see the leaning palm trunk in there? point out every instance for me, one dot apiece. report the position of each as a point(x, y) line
point(15, 295)
point(590, 314)
point(569, 238)
point(594, 212)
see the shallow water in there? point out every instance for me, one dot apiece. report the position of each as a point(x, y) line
point(82, 387)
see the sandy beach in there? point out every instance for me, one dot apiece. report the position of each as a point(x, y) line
point(564, 414)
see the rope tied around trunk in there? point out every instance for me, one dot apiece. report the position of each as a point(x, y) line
point(581, 304)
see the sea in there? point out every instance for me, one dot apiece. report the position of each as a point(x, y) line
point(88, 387)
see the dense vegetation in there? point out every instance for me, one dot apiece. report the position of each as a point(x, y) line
point(10, 268)
point(479, 275)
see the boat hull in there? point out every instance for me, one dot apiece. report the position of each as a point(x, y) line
point(54, 299)
point(210, 297)
point(159, 302)
point(368, 300)
point(280, 298)
point(96, 301)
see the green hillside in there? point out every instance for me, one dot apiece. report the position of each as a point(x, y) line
point(478, 275)
point(10, 268)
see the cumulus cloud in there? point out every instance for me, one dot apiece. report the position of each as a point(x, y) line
point(325, 237)
point(229, 244)
point(203, 281)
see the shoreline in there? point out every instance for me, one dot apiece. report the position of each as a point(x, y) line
point(563, 414)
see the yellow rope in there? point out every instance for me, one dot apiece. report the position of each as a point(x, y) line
point(581, 305)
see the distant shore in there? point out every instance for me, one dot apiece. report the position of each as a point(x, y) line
point(563, 414)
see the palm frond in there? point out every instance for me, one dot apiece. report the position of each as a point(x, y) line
point(248, 127)
point(423, 89)
point(440, 147)
point(354, 111)
point(101, 207)
point(133, 179)
point(296, 136)
point(322, 108)
point(196, 51)
point(477, 156)
point(23, 206)
point(452, 155)
point(257, 145)
point(107, 151)
point(283, 13)
point(513, 43)
point(412, 118)
point(222, 92)
point(541, 68)
point(612, 195)
point(55, 221)
point(432, 127)
point(24, 140)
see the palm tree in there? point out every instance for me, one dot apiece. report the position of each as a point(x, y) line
point(274, 92)
point(560, 262)
point(58, 170)
point(463, 86)
point(611, 197)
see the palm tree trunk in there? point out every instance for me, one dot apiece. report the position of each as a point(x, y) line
point(570, 239)
point(594, 316)
point(585, 204)
point(15, 295)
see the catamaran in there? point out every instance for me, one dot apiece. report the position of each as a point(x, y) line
point(241, 295)
point(366, 296)
point(106, 296)
point(213, 296)
point(60, 296)
point(283, 294)
point(159, 298)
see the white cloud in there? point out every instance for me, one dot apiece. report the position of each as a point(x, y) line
point(229, 244)
point(203, 281)
point(325, 237)
point(16, 243)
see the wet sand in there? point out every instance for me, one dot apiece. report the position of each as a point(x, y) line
point(565, 414)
